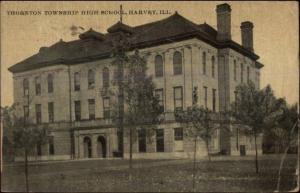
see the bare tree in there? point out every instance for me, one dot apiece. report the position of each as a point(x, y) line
point(198, 122)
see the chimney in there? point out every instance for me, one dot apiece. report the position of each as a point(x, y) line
point(247, 35)
point(223, 22)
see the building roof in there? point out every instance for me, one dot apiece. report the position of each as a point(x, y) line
point(93, 45)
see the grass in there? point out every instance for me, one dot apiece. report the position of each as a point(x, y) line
point(152, 176)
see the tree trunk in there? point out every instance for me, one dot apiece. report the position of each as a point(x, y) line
point(130, 153)
point(194, 167)
point(256, 157)
point(26, 170)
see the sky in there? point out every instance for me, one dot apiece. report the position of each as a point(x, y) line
point(276, 33)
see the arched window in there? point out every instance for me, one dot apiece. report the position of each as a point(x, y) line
point(25, 87)
point(177, 63)
point(105, 75)
point(204, 62)
point(213, 66)
point(91, 79)
point(159, 66)
point(50, 83)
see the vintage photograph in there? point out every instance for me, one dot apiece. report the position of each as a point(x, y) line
point(153, 96)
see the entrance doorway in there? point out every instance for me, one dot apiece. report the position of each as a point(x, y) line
point(101, 147)
point(242, 150)
point(87, 147)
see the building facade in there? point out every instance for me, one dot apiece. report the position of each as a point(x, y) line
point(65, 86)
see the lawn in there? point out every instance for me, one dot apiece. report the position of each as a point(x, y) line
point(236, 175)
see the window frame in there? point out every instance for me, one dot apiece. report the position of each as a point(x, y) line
point(77, 81)
point(234, 70)
point(38, 87)
point(26, 112)
point(248, 74)
point(50, 83)
point(177, 65)
point(106, 110)
point(159, 67)
point(51, 113)
point(205, 97)
point(242, 73)
point(91, 79)
point(160, 101)
point(38, 113)
point(77, 110)
point(176, 136)
point(91, 109)
point(204, 63)
point(105, 77)
point(213, 66)
point(177, 99)
point(25, 87)
point(214, 99)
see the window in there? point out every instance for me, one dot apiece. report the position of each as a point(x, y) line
point(204, 62)
point(91, 79)
point(160, 140)
point(106, 107)
point(234, 70)
point(39, 149)
point(26, 87)
point(51, 112)
point(77, 110)
point(248, 74)
point(205, 97)
point(213, 66)
point(159, 66)
point(142, 140)
point(116, 75)
point(242, 73)
point(178, 103)
point(50, 83)
point(38, 85)
point(26, 112)
point(178, 134)
point(235, 99)
point(214, 100)
point(105, 75)
point(159, 93)
point(51, 145)
point(91, 109)
point(76, 81)
point(38, 113)
point(177, 63)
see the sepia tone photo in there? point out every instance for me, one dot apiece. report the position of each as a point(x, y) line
point(154, 96)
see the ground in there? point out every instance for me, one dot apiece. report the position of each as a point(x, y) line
point(230, 174)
